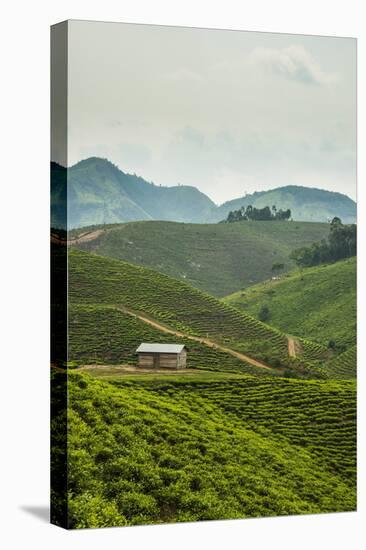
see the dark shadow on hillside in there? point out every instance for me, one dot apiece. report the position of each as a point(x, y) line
point(40, 512)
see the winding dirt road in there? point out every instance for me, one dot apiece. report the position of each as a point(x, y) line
point(206, 341)
point(82, 238)
point(86, 237)
point(294, 347)
point(291, 347)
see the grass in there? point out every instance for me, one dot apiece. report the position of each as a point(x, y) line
point(172, 450)
point(317, 303)
point(216, 258)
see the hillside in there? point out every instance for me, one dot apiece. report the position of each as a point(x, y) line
point(218, 259)
point(108, 336)
point(344, 366)
point(173, 451)
point(213, 442)
point(306, 204)
point(96, 280)
point(318, 303)
point(99, 192)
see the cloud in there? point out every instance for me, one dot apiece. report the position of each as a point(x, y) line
point(184, 75)
point(293, 63)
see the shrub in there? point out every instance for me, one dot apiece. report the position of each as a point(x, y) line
point(136, 504)
point(90, 511)
point(264, 313)
point(331, 344)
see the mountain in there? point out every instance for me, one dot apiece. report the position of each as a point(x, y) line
point(318, 303)
point(99, 192)
point(216, 258)
point(306, 204)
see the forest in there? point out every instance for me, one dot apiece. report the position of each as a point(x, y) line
point(262, 214)
point(341, 243)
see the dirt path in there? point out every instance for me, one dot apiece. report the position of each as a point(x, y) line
point(82, 238)
point(86, 237)
point(112, 370)
point(294, 347)
point(206, 341)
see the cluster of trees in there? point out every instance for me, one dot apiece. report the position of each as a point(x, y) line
point(253, 213)
point(341, 243)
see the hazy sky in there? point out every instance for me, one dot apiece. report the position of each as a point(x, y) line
point(226, 111)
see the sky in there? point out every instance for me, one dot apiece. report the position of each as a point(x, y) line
point(229, 112)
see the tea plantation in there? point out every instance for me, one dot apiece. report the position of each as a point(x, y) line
point(106, 335)
point(223, 440)
point(344, 366)
point(97, 280)
point(316, 415)
point(317, 303)
point(177, 450)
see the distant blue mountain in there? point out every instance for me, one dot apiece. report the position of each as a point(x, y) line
point(98, 192)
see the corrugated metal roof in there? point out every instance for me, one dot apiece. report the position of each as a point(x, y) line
point(160, 348)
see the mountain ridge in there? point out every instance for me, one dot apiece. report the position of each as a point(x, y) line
point(99, 192)
point(305, 203)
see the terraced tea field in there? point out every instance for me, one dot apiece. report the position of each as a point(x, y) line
point(97, 280)
point(226, 440)
point(317, 303)
point(187, 450)
point(106, 335)
point(319, 416)
point(344, 366)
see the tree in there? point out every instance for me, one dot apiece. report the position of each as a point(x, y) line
point(277, 266)
point(336, 221)
point(253, 213)
point(283, 214)
point(331, 344)
point(231, 217)
point(249, 211)
point(264, 313)
point(341, 243)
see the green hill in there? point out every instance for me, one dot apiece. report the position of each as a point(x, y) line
point(317, 303)
point(306, 204)
point(344, 366)
point(98, 192)
point(97, 280)
point(215, 443)
point(177, 450)
point(216, 258)
point(105, 335)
